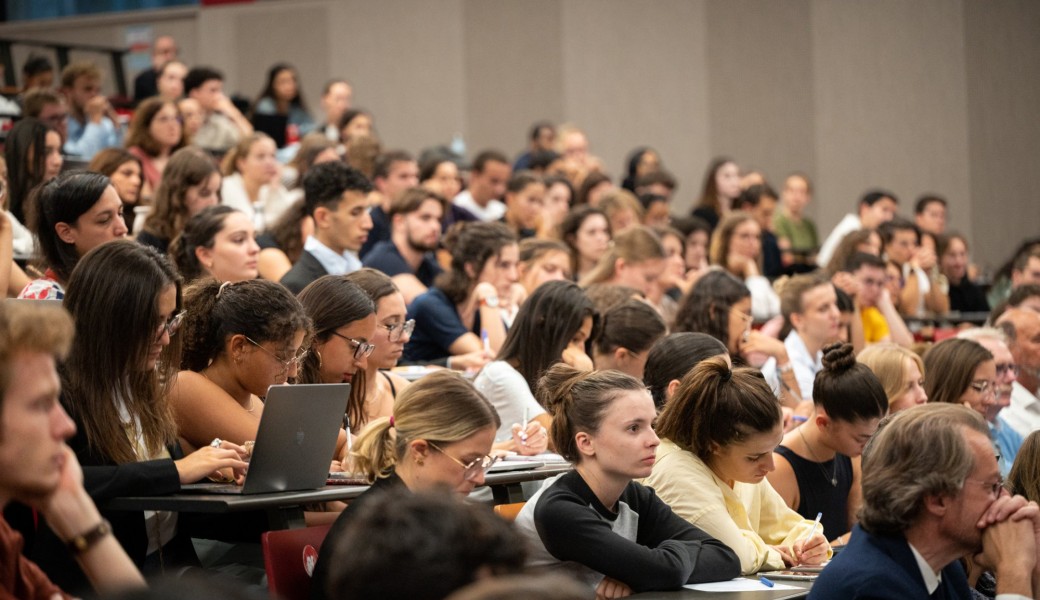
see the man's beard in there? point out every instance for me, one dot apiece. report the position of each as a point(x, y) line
point(418, 246)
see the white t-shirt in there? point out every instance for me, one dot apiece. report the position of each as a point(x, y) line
point(494, 210)
point(508, 392)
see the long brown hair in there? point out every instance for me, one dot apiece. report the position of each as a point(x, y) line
point(113, 296)
point(187, 168)
point(140, 134)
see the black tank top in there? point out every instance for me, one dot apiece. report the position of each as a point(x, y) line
point(816, 494)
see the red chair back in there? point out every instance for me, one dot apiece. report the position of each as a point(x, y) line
point(289, 558)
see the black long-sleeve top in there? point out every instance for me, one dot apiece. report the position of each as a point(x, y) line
point(644, 544)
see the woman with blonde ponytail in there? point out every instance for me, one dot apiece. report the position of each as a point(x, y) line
point(719, 431)
point(595, 522)
point(440, 436)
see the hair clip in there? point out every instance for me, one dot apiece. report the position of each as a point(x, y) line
point(391, 420)
point(727, 375)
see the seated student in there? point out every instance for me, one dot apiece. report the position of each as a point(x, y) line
point(344, 323)
point(238, 340)
point(1024, 478)
point(596, 522)
point(675, 280)
point(93, 123)
point(636, 260)
point(222, 124)
point(190, 182)
point(736, 246)
point(123, 169)
point(655, 210)
point(672, 356)
point(760, 202)
point(864, 279)
point(218, 242)
point(38, 468)
point(623, 209)
point(626, 333)
point(73, 213)
point(336, 197)
point(719, 191)
point(466, 302)
point(719, 305)
point(439, 436)
point(874, 208)
point(281, 96)
point(718, 434)
point(901, 373)
point(562, 319)
point(542, 261)
point(156, 132)
point(920, 288)
point(559, 197)
point(1005, 438)
point(415, 233)
point(439, 541)
point(795, 232)
point(809, 304)
point(525, 200)
point(817, 463)
point(392, 333)
point(251, 183)
point(964, 294)
point(393, 172)
point(586, 231)
point(32, 155)
point(125, 300)
point(867, 241)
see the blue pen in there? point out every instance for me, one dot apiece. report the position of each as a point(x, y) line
point(799, 419)
point(765, 582)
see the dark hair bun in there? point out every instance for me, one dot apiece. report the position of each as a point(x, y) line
point(554, 388)
point(838, 357)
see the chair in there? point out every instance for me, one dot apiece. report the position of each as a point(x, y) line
point(508, 511)
point(289, 558)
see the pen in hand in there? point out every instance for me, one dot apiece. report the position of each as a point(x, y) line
point(523, 428)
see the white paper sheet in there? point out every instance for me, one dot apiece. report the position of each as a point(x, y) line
point(740, 584)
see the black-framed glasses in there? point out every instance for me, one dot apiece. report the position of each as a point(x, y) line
point(994, 487)
point(396, 331)
point(477, 466)
point(170, 326)
point(1005, 367)
point(286, 363)
point(984, 386)
point(361, 349)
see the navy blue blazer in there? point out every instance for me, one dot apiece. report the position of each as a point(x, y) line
point(876, 566)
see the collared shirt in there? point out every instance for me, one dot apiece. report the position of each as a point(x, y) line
point(1024, 413)
point(930, 577)
point(333, 262)
point(87, 139)
point(1007, 441)
point(805, 366)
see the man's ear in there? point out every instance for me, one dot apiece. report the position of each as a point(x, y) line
point(321, 217)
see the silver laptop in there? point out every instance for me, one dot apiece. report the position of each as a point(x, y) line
point(295, 443)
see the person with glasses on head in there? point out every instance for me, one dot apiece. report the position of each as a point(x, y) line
point(392, 332)
point(344, 324)
point(125, 300)
point(439, 436)
point(239, 339)
point(595, 522)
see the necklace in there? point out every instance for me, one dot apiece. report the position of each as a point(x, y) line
point(819, 463)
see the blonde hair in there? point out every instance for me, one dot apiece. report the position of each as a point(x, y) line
point(229, 166)
point(31, 327)
point(886, 361)
point(616, 200)
point(441, 407)
point(635, 245)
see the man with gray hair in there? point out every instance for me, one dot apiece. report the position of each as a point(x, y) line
point(1022, 327)
point(1007, 440)
point(932, 494)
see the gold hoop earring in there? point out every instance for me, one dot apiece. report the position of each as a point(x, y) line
point(318, 354)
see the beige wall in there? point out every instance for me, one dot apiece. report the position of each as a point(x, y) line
point(933, 95)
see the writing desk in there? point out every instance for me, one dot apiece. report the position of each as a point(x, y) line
point(684, 594)
point(285, 509)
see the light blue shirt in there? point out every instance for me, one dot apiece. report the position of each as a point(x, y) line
point(333, 262)
point(87, 139)
point(1008, 441)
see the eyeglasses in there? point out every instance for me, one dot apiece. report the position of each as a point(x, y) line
point(361, 349)
point(983, 386)
point(477, 466)
point(1005, 367)
point(396, 331)
point(286, 364)
point(748, 319)
point(170, 326)
point(994, 487)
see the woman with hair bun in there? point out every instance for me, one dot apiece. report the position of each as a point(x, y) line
point(719, 432)
point(817, 463)
point(596, 522)
point(439, 436)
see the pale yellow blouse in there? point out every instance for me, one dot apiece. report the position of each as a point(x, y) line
point(749, 518)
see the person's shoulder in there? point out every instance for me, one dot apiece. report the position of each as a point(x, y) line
point(432, 299)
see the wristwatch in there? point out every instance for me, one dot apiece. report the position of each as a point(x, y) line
point(490, 302)
point(83, 542)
